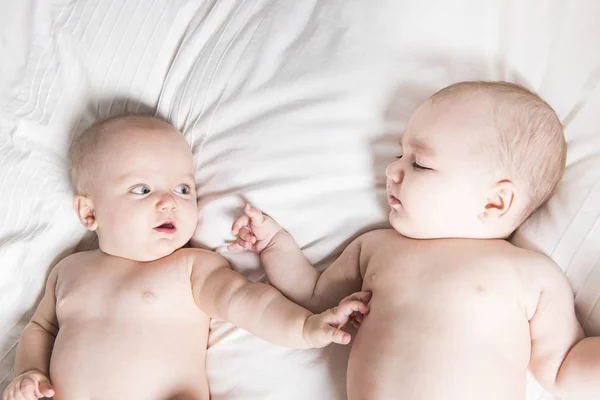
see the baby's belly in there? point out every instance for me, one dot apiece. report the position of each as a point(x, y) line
point(415, 357)
point(109, 360)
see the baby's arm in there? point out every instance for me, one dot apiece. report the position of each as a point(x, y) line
point(288, 269)
point(35, 348)
point(261, 309)
point(565, 362)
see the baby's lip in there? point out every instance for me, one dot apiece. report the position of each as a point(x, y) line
point(166, 227)
point(393, 200)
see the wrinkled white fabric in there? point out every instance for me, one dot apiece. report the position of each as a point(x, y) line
point(295, 106)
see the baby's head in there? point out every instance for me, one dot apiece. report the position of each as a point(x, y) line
point(133, 180)
point(478, 158)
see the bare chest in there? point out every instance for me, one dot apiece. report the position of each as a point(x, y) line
point(102, 292)
point(439, 278)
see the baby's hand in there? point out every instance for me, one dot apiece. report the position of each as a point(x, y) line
point(31, 385)
point(254, 231)
point(357, 317)
point(323, 329)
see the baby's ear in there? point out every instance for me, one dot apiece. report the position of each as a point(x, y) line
point(84, 208)
point(500, 200)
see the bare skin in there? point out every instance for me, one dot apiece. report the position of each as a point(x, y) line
point(457, 312)
point(453, 318)
point(117, 328)
point(449, 318)
point(131, 320)
point(143, 316)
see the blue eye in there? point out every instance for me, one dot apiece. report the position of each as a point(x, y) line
point(140, 189)
point(183, 189)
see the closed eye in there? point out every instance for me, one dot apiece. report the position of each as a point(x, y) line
point(418, 167)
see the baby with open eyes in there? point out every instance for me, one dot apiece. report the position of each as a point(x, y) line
point(457, 312)
point(130, 320)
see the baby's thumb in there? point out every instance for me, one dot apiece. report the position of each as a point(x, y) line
point(255, 215)
point(45, 388)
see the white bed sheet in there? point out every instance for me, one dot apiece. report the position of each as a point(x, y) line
point(294, 106)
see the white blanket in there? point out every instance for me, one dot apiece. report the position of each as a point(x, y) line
point(295, 106)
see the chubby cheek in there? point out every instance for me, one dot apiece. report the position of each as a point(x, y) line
point(124, 222)
point(188, 219)
point(416, 194)
point(427, 201)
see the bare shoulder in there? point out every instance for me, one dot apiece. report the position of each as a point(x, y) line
point(373, 239)
point(195, 258)
point(73, 262)
point(536, 266)
point(379, 234)
point(538, 274)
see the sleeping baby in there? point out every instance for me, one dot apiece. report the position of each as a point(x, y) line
point(131, 319)
point(462, 314)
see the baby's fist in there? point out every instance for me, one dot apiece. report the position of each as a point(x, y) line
point(31, 385)
point(254, 231)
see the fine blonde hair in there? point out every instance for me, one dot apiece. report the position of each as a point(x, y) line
point(530, 146)
point(85, 148)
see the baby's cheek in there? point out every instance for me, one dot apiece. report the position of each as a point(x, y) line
point(190, 220)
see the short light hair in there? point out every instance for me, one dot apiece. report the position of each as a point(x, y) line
point(84, 149)
point(530, 147)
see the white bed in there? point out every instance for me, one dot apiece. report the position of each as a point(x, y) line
point(295, 106)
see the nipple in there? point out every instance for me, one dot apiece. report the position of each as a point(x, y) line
point(149, 297)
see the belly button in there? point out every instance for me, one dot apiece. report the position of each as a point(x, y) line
point(149, 297)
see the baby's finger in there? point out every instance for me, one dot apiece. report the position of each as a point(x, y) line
point(22, 396)
point(246, 235)
point(363, 296)
point(339, 336)
point(256, 216)
point(245, 245)
point(358, 317)
point(347, 307)
point(45, 389)
point(240, 245)
point(244, 220)
point(28, 389)
point(235, 247)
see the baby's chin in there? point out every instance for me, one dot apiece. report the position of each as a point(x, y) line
point(149, 253)
point(402, 226)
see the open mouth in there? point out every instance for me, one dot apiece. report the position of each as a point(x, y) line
point(167, 227)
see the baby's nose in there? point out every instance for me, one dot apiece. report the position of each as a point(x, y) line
point(394, 172)
point(166, 203)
